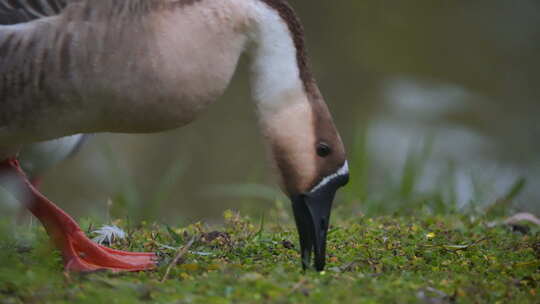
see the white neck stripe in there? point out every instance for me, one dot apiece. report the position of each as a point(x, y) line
point(274, 65)
point(344, 170)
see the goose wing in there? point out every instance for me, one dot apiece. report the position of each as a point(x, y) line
point(20, 11)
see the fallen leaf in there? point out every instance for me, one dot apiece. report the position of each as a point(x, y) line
point(430, 235)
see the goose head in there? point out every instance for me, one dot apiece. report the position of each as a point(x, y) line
point(311, 160)
point(303, 140)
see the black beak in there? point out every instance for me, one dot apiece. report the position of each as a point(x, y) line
point(312, 215)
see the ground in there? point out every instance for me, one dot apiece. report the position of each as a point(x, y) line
point(390, 259)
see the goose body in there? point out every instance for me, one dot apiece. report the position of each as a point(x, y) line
point(132, 66)
point(72, 73)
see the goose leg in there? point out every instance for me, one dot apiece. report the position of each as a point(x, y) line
point(79, 252)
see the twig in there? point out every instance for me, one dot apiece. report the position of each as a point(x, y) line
point(480, 240)
point(297, 285)
point(181, 252)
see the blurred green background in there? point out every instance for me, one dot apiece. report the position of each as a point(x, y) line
point(437, 102)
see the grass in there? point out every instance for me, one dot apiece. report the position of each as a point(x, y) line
point(424, 259)
point(394, 244)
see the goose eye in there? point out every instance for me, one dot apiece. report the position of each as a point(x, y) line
point(323, 149)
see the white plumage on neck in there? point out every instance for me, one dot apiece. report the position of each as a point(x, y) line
point(276, 75)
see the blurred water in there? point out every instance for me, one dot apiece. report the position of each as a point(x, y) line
point(418, 110)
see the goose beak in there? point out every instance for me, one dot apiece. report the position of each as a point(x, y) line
point(312, 214)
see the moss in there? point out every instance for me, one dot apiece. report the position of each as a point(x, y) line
point(429, 259)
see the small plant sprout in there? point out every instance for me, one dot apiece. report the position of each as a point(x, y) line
point(108, 234)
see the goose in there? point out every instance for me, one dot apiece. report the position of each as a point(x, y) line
point(140, 66)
